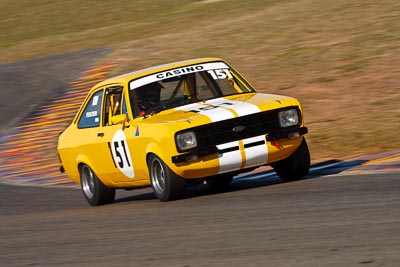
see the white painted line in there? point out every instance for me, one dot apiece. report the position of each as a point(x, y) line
point(270, 173)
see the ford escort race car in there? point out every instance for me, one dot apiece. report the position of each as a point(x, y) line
point(178, 124)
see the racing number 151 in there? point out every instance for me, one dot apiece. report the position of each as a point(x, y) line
point(220, 74)
point(121, 154)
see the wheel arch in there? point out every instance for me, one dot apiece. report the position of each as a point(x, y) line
point(155, 149)
point(84, 160)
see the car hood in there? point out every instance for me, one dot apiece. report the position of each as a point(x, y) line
point(219, 109)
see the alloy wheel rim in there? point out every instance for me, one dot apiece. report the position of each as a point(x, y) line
point(87, 182)
point(158, 176)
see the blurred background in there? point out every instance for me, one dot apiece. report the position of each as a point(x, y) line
point(340, 58)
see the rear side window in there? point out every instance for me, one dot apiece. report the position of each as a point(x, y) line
point(91, 114)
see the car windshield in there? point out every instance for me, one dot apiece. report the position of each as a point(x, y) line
point(184, 85)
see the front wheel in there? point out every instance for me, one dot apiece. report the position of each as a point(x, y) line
point(166, 184)
point(296, 166)
point(95, 192)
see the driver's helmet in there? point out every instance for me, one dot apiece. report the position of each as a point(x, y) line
point(148, 96)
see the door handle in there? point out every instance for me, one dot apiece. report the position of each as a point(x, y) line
point(100, 134)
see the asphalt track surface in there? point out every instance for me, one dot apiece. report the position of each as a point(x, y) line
point(26, 84)
point(336, 220)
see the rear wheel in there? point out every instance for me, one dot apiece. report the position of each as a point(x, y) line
point(95, 192)
point(296, 166)
point(166, 184)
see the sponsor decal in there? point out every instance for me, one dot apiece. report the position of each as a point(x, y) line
point(90, 114)
point(221, 69)
point(95, 100)
point(180, 71)
point(238, 129)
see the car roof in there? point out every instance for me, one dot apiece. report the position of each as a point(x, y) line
point(125, 78)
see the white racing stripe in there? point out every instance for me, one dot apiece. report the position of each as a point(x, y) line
point(213, 112)
point(256, 155)
point(230, 160)
point(241, 108)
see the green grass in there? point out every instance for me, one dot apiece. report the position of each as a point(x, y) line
point(340, 58)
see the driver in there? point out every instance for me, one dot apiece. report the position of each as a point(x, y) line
point(148, 97)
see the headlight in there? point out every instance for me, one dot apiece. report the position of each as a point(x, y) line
point(186, 140)
point(288, 118)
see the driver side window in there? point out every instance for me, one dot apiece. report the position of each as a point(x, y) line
point(90, 116)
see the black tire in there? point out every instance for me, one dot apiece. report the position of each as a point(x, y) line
point(95, 192)
point(166, 184)
point(296, 166)
point(219, 182)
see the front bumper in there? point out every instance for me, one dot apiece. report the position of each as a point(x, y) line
point(287, 134)
point(202, 152)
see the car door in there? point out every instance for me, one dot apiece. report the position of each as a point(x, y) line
point(89, 138)
point(114, 133)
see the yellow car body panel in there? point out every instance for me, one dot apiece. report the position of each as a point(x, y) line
point(118, 153)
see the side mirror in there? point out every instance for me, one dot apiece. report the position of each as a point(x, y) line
point(120, 119)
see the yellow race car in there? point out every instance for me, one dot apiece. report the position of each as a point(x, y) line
point(178, 124)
